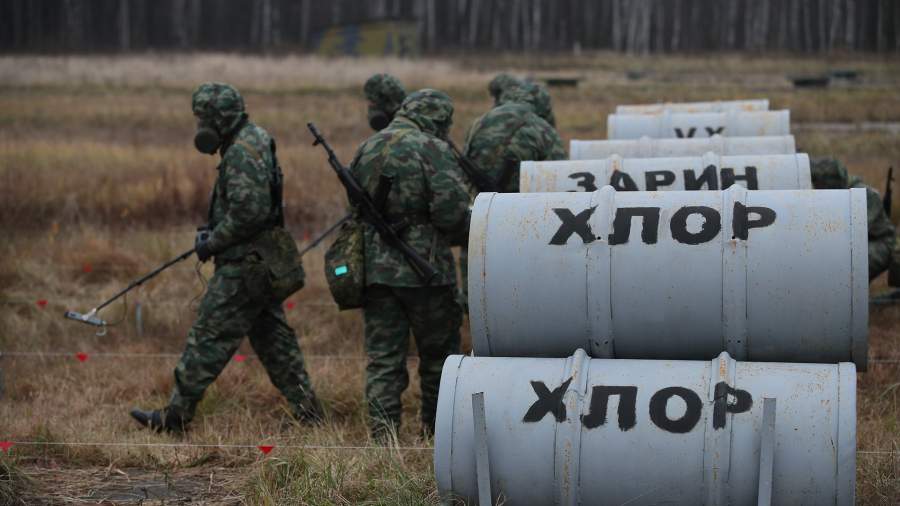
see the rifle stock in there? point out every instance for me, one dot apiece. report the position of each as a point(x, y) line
point(476, 176)
point(371, 211)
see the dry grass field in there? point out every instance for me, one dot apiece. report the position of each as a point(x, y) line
point(99, 183)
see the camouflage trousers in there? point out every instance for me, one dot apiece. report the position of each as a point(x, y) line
point(235, 305)
point(390, 313)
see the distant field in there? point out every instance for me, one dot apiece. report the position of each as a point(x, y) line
point(100, 183)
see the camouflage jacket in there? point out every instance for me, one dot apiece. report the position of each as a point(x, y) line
point(241, 204)
point(429, 193)
point(508, 134)
point(882, 235)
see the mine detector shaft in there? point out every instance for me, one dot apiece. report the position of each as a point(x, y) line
point(370, 209)
point(91, 317)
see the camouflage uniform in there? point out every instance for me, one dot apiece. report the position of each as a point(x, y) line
point(385, 93)
point(508, 134)
point(500, 83)
point(831, 174)
point(238, 301)
point(542, 103)
point(431, 196)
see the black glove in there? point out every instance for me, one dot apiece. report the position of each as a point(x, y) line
point(201, 244)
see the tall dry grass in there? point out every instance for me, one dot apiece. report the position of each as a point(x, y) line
point(99, 184)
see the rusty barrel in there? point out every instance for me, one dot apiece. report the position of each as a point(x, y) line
point(775, 276)
point(701, 124)
point(707, 172)
point(710, 106)
point(647, 147)
point(567, 431)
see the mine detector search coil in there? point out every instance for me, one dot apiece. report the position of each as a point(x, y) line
point(370, 209)
point(91, 317)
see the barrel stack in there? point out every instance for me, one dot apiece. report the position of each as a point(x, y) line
point(672, 317)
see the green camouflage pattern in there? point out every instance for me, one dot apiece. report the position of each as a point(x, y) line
point(543, 105)
point(500, 83)
point(385, 94)
point(219, 104)
point(239, 299)
point(831, 174)
point(241, 204)
point(510, 133)
point(232, 308)
point(390, 314)
point(429, 191)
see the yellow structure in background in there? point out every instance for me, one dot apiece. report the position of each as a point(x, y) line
point(389, 38)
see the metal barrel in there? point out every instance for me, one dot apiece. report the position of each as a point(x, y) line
point(707, 172)
point(567, 431)
point(702, 124)
point(647, 147)
point(713, 106)
point(776, 276)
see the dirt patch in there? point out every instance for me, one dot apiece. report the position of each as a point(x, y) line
point(112, 486)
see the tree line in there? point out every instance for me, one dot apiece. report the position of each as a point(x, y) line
point(637, 26)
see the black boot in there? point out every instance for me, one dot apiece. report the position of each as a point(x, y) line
point(159, 420)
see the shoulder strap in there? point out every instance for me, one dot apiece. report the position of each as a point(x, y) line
point(277, 183)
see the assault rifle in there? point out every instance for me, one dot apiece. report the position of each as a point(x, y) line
point(888, 192)
point(477, 177)
point(370, 209)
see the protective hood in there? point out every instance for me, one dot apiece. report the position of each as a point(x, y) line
point(431, 110)
point(533, 94)
point(218, 106)
point(499, 84)
point(828, 174)
point(385, 94)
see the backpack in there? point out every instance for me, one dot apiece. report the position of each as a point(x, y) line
point(345, 266)
point(275, 245)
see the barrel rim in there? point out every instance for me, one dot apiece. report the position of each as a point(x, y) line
point(478, 311)
point(845, 461)
point(859, 278)
point(443, 434)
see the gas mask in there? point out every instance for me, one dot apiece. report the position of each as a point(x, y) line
point(378, 119)
point(207, 139)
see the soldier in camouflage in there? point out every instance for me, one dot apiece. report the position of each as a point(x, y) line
point(510, 133)
point(430, 196)
point(244, 216)
point(385, 93)
point(830, 174)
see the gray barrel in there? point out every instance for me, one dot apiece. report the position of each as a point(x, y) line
point(707, 172)
point(714, 106)
point(639, 432)
point(701, 124)
point(775, 276)
point(647, 147)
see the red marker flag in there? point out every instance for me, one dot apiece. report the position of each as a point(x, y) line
point(265, 449)
point(86, 268)
point(6, 445)
point(290, 304)
point(42, 303)
point(239, 358)
point(81, 356)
